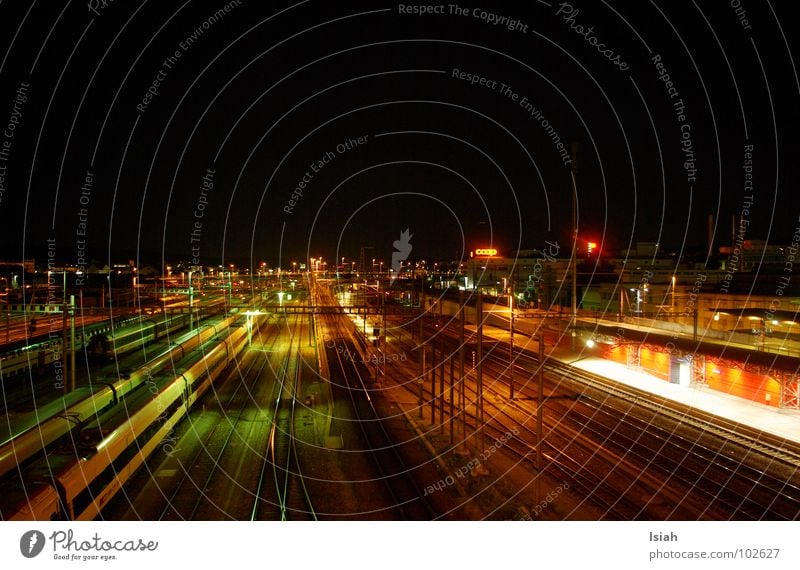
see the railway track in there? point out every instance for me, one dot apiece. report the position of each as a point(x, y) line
point(284, 495)
point(651, 472)
point(192, 497)
point(397, 478)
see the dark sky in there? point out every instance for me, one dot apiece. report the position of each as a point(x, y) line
point(261, 92)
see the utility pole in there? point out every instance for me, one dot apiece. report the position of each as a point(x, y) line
point(479, 397)
point(574, 259)
point(539, 412)
point(72, 342)
point(511, 344)
point(64, 346)
point(421, 380)
point(462, 447)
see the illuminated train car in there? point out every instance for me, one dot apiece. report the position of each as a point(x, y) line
point(109, 346)
point(37, 355)
point(34, 356)
point(57, 418)
point(77, 485)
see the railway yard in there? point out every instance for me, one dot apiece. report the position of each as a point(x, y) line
point(338, 404)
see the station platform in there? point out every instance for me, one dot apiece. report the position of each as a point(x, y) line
point(781, 422)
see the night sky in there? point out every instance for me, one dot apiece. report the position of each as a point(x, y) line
point(166, 130)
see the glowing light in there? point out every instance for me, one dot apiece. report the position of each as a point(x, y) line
point(591, 246)
point(486, 251)
point(590, 343)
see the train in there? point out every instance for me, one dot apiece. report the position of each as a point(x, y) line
point(35, 356)
point(108, 346)
point(43, 426)
point(77, 483)
point(39, 354)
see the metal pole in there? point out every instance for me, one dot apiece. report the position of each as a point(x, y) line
point(421, 378)
point(191, 303)
point(539, 411)
point(461, 380)
point(540, 404)
point(72, 342)
point(574, 259)
point(511, 346)
point(441, 384)
point(382, 339)
point(479, 415)
point(433, 382)
point(452, 396)
point(64, 359)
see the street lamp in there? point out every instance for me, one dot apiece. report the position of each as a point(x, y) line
point(250, 315)
point(8, 309)
point(673, 292)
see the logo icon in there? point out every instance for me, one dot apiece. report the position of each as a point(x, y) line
point(404, 249)
point(31, 543)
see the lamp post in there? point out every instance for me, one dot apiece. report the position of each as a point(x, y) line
point(191, 302)
point(511, 345)
point(250, 315)
point(5, 295)
point(673, 293)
